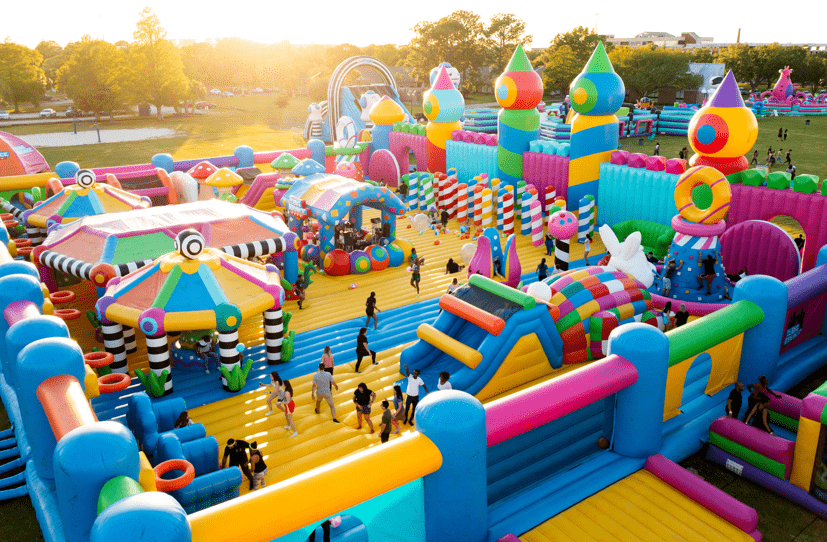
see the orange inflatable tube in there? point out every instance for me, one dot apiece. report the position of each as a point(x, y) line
point(487, 321)
point(65, 404)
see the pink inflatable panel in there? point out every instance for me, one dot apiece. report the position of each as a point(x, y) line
point(761, 248)
point(776, 448)
point(401, 143)
point(759, 203)
point(812, 407)
point(656, 163)
point(704, 493)
point(509, 538)
point(788, 406)
point(544, 170)
point(637, 160)
point(675, 166)
point(620, 158)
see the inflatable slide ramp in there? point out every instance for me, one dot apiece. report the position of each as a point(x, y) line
point(490, 338)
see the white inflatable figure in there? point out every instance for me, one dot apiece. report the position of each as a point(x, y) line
point(345, 133)
point(366, 102)
point(628, 256)
point(185, 186)
point(453, 73)
point(315, 119)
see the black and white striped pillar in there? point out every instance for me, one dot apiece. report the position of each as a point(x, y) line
point(230, 357)
point(273, 335)
point(561, 254)
point(34, 235)
point(114, 344)
point(157, 352)
point(129, 340)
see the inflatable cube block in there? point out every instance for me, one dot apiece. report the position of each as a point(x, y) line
point(563, 149)
point(778, 180)
point(536, 146)
point(754, 177)
point(620, 158)
point(656, 163)
point(675, 166)
point(637, 160)
point(735, 178)
point(805, 184)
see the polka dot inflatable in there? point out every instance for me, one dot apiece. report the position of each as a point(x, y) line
point(190, 243)
point(395, 255)
point(336, 263)
point(359, 262)
point(562, 225)
point(379, 257)
point(310, 253)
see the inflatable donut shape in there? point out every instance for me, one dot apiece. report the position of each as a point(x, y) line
point(113, 382)
point(721, 195)
point(23, 242)
point(162, 484)
point(96, 360)
point(67, 314)
point(62, 296)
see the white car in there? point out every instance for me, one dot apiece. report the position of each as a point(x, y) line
point(4, 115)
point(47, 113)
point(258, 90)
point(228, 94)
point(216, 92)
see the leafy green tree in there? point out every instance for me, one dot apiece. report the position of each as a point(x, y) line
point(458, 38)
point(561, 69)
point(94, 76)
point(647, 69)
point(157, 73)
point(704, 56)
point(49, 49)
point(737, 57)
point(504, 32)
point(581, 42)
point(813, 71)
point(21, 77)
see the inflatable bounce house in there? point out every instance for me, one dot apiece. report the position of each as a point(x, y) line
point(18, 157)
point(569, 407)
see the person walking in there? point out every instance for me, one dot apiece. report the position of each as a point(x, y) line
point(657, 148)
point(362, 349)
point(414, 383)
point(288, 406)
point(327, 360)
point(236, 452)
point(277, 393)
point(788, 157)
point(363, 398)
point(754, 161)
point(780, 134)
point(785, 134)
point(587, 247)
point(370, 311)
point(322, 381)
point(542, 270)
point(398, 407)
point(415, 277)
point(259, 466)
point(385, 426)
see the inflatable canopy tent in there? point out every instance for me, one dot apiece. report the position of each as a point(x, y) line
point(18, 157)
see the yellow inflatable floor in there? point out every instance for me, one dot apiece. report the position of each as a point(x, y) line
point(641, 507)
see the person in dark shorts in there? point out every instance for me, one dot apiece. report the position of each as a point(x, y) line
point(362, 349)
point(363, 398)
point(682, 316)
point(709, 272)
point(668, 273)
point(453, 267)
point(542, 270)
point(415, 266)
point(259, 466)
point(325, 532)
point(756, 391)
point(385, 427)
point(236, 452)
point(370, 311)
point(760, 414)
point(443, 218)
point(414, 383)
point(733, 402)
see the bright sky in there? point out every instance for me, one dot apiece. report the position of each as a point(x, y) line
point(362, 23)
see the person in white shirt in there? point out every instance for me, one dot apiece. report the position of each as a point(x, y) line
point(414, 382)
point(587, 247)
point(452, 287)
point(443, 381)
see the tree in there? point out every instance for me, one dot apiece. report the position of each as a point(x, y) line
point(504, 32)
point(157, 71)
point(21, 78)
point(581, 42)
point(49, 49)
point(704, 56)
point(813, 71)
point(647, 69)
point(457, 38)
point(561, 69)
point(737, 57)
point(94, 76)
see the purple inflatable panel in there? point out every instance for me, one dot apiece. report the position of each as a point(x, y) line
point(813, 406)
point(760, 247)
point(544, 170)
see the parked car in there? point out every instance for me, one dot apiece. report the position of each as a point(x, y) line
point(48, 113)
point(216, 92)
point(4, 115)
point(73, 112)
point(228, 94)
point(205, 105)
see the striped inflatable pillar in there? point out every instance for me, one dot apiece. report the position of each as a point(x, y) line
point(478, 188)
point(518, 198)
point(157, 353)
point(560, 204)
point(114, 344)
point(33, 232)
point(584, 224)
point(452, 197)
point(561, 254)
point(508, 213)
point(452, 172)
point(487, 208)
point(551, 195)
point(462, 202)
point(129, 340)
point(484, 178)
point(230, 357)
point(525, 215)
point(495, 185)
point(500, 209)
point(273, 335)
point(536, 224)
point(413, 192)
point(426, 195)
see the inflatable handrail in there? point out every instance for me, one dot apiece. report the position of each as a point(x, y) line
point(20, 310)
point(65, 404)
point(806, 286)
point(378, 469)
point(483, 319)
point(690, 340)
point(439, 340)
point(555, 398)
point(501, 290)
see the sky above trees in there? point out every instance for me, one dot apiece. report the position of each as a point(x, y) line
point(331, 22)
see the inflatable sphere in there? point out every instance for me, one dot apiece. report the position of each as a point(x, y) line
point(395, 255)
point(379, 257)
point(359, 262)
point(562, 225)
point(336, 263)
point(467, 252)
point(539, 290)
point(310, 253)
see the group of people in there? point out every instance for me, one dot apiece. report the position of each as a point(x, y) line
point(775, 157)
point(758, 402)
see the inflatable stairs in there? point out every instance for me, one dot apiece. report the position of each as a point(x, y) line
point(12, 484)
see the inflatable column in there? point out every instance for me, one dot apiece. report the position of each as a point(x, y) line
point(596, 95)
point(273, 334)
point(586, 224)
point(518, 91)
point(383, 114)
point(443, 106)
point(227, 351)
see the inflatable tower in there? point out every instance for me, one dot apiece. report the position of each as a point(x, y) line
point(596, 95)
point(443, 106)
point(723, 131)
point(519, 90)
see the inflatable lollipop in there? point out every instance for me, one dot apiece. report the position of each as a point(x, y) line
point(562, 225)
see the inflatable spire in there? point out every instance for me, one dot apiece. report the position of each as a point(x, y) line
point(518, 90)
point(443, 106)
point(596, 95)
point(723, 131)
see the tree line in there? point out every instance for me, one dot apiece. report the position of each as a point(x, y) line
point(102, 77)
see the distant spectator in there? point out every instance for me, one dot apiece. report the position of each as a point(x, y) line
point(799, 241)
point(657, 149)
point(785, 134)
point(183, 420)
point(780, 133)
point(682, 316)
point(788, 157)
point(443, 381)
